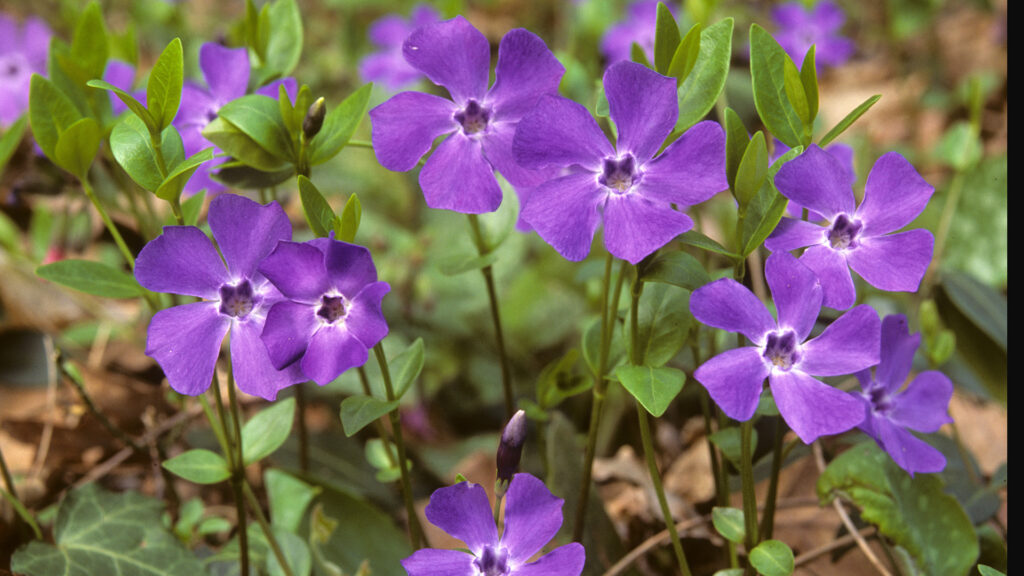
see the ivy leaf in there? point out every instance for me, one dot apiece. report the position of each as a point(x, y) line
point(99, 532)
point(339, 125)
point(704, 83)
point(358, 412)
point(91, 277)
point(267, 430)
point(653, 388)
point(163, 91)
point(199, 466)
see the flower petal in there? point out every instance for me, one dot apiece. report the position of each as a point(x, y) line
point(924, 405)
point(457, 177)
point(526, 70)
point(834, 274)
point(246, 231)
point(349, 266)
point(565, 560)
point(253, 371)
point(894, 195)
point(848, 345)
point(564, 213)
point(297, 270)
point(272, 90)
point(332, 350)
point(287, 331)
point(560, 132)
point(734, 380)
point(817, 180)
point(365, 319)
point(908, 451)
point(812, 408)
point(226, 70)
point(635, 227)
point(691, 170)
point(896, 262)
point(464, 512)
point(497, 146)
point(452, 54)
point(728, 305)
point(185, 341)
point(532, 517)
point(796, 291)
point(791, 234)
point(897, 353)
point(432, 562)
point(644, 106)
point(182, 260)
point(406, 125)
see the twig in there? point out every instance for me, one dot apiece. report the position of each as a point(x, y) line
point(834, 545)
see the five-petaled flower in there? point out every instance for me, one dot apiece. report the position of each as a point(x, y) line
point(799, 29)
point(633, 189)
point(891, 411)
point(856, 237)
point(186, 340)
point(332, 314)
point(734, 378)
point(480, 122)
point(23, 51)
point(532, 517)
point(388, 65)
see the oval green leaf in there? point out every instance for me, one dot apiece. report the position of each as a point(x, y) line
point(91, 277)
point(77, 146)
point(772, 558)
point(199, 466)
point(259, 118)
point(704, 83)
point(163, 92)
point(729, 523)
point(339, 125)
point(358, 412)
point(267, 430)
point(768, 70)
point(132, 146)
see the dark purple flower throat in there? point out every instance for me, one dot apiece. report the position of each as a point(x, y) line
point(782, 350)
point(332, 308)
point(844, 231)
point(473, 118)
point(619, 174)
point(238, 300)
point(492, 562)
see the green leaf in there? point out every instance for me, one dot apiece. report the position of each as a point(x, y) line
point(99, 532)
point(989, 571)
point(809, 80)
point(675, 268)
point(794, 87)
point(259, 118)
point(737, 140)
point(163, 91)
point(296, 554)
point(653, 388)
point(663, 324)
point(406, 367)
point(134, 105)
point(267, 430)
point(461, 263)
point(558, 380)
point(699, 240)
point(77, 146)
point(237, 175)
point(358, 412)
point(703, 85)
point(666, 39)
point(50, 113)
point(199, 466)
point(11, 139)
point(288, 498)
point(772, 558)
point(132, 146)
point(772, 71)
point(914, 513)
point(89, 45)
point(239, 145)
point(729, 523)
point(985, 307)
point(637, 54)
point(960, 147)
point(847, 121)
point(686, 54)
point(339, 125)
point(591, 345)
point(281, 29)
point(170, 189)
point(347, 225)
point(752, 170)
point(729, 572)
point(91, 277)
point(361, 532)
point(319, 214)
point(767, 208)
point(729, 441)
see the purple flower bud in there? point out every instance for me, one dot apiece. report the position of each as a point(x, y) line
point(314, 120)
point(510, 450)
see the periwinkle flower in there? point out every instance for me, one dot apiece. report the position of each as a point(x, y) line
point(633, 190)
point(639, 26)
point(781, 351)
point(799, 29)
point(479, 121)
point(186, 340)
point(892, 411)
point(332, 314)
point(388, 65)
point(226, 71)
point(23, 51)
point(532, 517)
point(856, 237)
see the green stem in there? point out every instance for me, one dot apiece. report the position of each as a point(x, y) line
point(238, 480)
point(11, 495)
point(91, 194)
point(155, 140)
point(768, 518)
point(747, 475)
point(506, 370)
point(415, 530)
point(261, 519)
point(382, 431)
point(360, 144)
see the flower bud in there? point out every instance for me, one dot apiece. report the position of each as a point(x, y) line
point(510, 450)
point(314, 118)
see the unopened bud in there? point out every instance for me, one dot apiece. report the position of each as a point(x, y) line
point(510, 450)
point(314, 118)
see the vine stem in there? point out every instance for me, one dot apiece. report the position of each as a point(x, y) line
point(382, 431)
point(749, 497)
point(488, 272)
point(415, 530)
point(233, 452)
point(768, 519)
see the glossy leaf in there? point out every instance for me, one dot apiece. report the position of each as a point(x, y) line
point(358, 412)
point(686, 54)
point(666, 39)
point(259, 118)
point(163, 91)
point(134, 105)
point(199, 466)
point(797, 97)
point(50, 113)
point(91, 277)
point(752, 170)
point(675, 268)
point(319, 214)
point(737, 140)
point(170, 189)
point(339, 125)
point(809, 80)
point(848, 120)
point(704, 83)
point(772, 71)
point(699, 240)
point(663, 324)
point(729, 523)
point(406, 367)
point(77, 146)
point(347, 225)
point(772, 558)
point(89, 45)
point(637, 54)
point(132, 146)
point(239, 145)
point(653, 388)
point(265, 432)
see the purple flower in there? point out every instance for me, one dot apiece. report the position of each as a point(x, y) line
point(332, 316)
point(388, 65)
point(633, 189)
point(735, 377)
point(532, 517)
point(23, 51)
point(856, 238)
point(480, 121)
point(799, 29)
point(842, 152)
point(122, 75)
point(890, 413)
point(639, 26)
point(226, 71)
point(186, 340)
